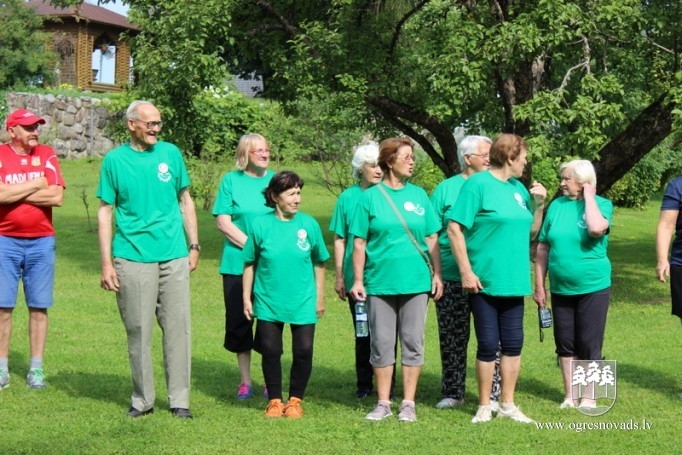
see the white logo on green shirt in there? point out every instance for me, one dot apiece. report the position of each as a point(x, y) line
point(416, 208)
point(520, 200)
point(163, 174)
point(581, 223)
point(303, 242)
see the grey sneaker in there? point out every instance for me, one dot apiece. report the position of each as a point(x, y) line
point(4, 378)
point(36, 379)
point(407, 413)
point(447, 403)
point(380, 412)
point(515, 414)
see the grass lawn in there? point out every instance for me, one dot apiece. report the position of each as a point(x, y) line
point(86, 365)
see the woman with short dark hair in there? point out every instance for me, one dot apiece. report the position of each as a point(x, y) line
point(284, 284)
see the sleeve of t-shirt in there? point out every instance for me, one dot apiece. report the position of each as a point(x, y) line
point(466, 206)
point(547, 223)
point(249, 253)
point(320, 252)
point(338, 222)
point(672, 198)
point(53, 172)
point(223, 201)
point(105, 188)
point(359, 225)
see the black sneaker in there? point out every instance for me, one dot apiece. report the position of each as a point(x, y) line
point(134, 413)
point(181, 413)
point(363, 393)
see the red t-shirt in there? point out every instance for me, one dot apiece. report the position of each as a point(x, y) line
point(21, 219)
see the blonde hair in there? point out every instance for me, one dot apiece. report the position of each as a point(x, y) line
point(582, 171)
point(244, 146)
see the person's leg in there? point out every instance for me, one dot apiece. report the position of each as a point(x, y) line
point(383, 319)
point(488, 337)
point(411, 328)
point(564, 327)
point(174, 316)
point(510, 313)
point(11, 259)
point(302, 339)
point(363, 369)
point(238, 329)
point(137, 298)
point(38, 278)
point(451, 335)
point(591, 310)
point(269, 336)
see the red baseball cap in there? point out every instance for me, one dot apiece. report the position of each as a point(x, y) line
point(24, 118)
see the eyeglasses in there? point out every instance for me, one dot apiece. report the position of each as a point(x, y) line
point(260, 152)
point(150, 125)
point(407, 159)
point(30, 128)
point(485, 157)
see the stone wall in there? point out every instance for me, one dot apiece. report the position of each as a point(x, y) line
point(74, 126)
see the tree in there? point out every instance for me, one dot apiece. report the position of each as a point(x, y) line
point(24, 56)
point(576, 78)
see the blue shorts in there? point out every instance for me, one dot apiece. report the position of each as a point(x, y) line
point(32, 260)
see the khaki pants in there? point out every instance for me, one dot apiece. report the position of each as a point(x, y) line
point(148, 291)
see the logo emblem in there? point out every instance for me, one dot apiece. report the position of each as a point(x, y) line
point(163, 173)
point(581, 223)
point(303, 242)
point(412, 207)
point(594, 380)
point(520, 201)
point(35, 161)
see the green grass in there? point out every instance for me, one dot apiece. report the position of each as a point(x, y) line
point(82, 410)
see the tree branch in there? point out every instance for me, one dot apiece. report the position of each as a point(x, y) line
point(401, 22)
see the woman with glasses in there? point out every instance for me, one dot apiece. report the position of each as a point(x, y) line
point(572, 248)
point(453, 310)
point(391, 269)
point(490, 229)
point(240, 199)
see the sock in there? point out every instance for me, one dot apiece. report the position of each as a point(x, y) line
point(3, 363)
point(387, 403)
point(408, 402)
point(36, 362)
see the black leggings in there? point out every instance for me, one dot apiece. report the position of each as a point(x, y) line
point(269, 344)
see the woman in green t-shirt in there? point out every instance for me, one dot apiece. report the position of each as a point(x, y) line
point(390, 271)
point(239, 200)
point(573, 242)
point(284, 284)
point(490, 230)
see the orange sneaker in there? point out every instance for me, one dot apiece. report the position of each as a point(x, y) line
point(275, 408)
point(293, 409)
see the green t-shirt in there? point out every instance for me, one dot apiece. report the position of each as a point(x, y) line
point(497, 217)
point(240, 196)
point(444, 197)
point(393, 265)
point(340, 223)
point(144, 187)
point(284, 254)
point(577, 263)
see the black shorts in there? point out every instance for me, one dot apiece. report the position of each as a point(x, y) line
point(676, 289)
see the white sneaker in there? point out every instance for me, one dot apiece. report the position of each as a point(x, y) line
point(483, 414)
point(514, 413)
point(447, 403)
point(494, 406)
point(567, 404)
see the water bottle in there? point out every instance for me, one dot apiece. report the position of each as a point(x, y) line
point(361, 324)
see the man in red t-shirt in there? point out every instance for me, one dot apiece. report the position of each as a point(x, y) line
point(31, 184)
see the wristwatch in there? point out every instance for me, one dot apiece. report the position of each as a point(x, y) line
point(195, 246)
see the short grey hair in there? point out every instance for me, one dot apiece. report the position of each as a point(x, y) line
point(469, 146)
point(132, 112)
point(582, 171)
point(367, 153)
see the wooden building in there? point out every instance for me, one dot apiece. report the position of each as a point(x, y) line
point(85, 33)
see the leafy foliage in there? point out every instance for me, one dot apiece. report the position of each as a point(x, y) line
point(25, 59)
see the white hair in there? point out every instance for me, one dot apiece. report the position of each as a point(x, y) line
point(469, 146)
point(582, 171)
point(367, 153)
